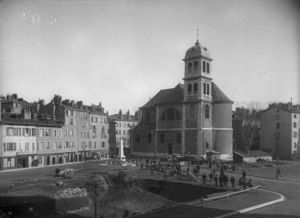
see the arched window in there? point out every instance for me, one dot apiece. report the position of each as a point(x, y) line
point(162, 138)
point(138, 138)
point(206, 111)
point(195, 88)
point(170, 114)
point(204, 88)
point(195, 66)
point(207, 89)
point(192, 112)
point(178, 138)
point(204, 65)
point(189, 67)
point(149, 138)
point(207, 67)
point(189, 89)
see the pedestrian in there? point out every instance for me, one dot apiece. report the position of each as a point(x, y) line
point(211, 176)
point(244, 183)
point(240, 182)
point(216, 180)
point(221, 180)
point(142, 166)
point(278, 172)
point(232, 180)
point(244, 174)
point(249, 183)
point(204, 178)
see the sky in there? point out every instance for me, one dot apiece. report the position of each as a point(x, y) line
point(121, 53)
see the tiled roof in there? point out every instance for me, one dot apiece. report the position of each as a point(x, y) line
point(166, 96)
point(218, 96)
point(254, 153)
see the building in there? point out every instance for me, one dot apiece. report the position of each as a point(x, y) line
point(280, 129)
point(35, 134)
point(246, 129)
point(192, 119)
point(120, 127)
point(85, 128)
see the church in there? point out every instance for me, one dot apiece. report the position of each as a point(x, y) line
point(193, 118)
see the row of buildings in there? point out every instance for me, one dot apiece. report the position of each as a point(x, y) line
point(38, 134)
point(275, 130)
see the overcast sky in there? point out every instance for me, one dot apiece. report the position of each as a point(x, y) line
point(123, 52)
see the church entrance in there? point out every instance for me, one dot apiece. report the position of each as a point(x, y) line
point(170, 148)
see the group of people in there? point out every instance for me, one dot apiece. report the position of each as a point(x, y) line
point(173, 168)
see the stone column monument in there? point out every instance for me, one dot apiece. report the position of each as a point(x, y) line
point(121, 152)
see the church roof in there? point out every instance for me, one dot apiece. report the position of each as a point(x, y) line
point(197, 51)
point(166, 96)
point(175, 96)
point(218, 96)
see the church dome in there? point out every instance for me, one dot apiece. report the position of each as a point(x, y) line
point(197, 51)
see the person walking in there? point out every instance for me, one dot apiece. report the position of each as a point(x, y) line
point(204, 178)
point(216, 180)
point(232, 180)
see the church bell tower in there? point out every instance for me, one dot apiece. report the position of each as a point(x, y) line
point(197, 104)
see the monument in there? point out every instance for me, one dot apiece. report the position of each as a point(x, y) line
point(121, 152)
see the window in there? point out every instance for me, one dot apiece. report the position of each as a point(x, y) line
point(295, 145)
point(277, 125)
point(294, 124)
point(192, 112)
point(9, 131)
point(162, 138)
point(10, 146)
point(95, 144)
point(149, 138)
point(178, 138)
point(170, 114)
point(195, 66)
point(295, 115)
point(203, 66)
point(206, 111)
point(204, 88)
point(189, 89)
point(295, 134)
point(195, 88)
point(207, 67)
point(207, 89)
point(103, 144)
point(138, 138)
point(189, 67)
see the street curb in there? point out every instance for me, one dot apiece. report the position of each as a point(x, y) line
point(195, 202)
point(255, 207)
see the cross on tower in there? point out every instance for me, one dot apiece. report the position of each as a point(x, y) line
point(197, 43)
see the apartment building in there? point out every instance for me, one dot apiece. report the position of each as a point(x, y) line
point(35, 134)
point(280, 130)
